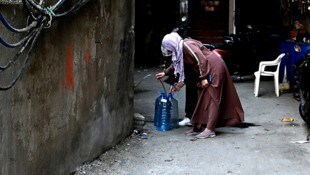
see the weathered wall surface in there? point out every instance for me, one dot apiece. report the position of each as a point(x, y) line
point(74, 99)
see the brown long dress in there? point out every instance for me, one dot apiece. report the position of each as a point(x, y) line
point(218, 104)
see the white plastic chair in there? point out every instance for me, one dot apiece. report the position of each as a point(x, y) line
point(262, 72)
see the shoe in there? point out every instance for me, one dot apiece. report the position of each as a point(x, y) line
point(194, 131)
point(191, 132)
point(186, 121)
point(205, 134)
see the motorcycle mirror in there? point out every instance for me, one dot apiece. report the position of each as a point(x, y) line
point(297, 48)
point(184, 18)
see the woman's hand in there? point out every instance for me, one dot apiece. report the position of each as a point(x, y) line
point(176, 87)
point(160, 75)
point(204, 83)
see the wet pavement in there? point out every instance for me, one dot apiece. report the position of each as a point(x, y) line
point(270, 147)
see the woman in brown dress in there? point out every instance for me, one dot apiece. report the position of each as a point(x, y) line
point(218, 102)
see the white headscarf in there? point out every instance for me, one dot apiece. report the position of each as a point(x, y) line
point(174, 43)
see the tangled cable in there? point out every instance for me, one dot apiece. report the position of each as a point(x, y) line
point(39, 17)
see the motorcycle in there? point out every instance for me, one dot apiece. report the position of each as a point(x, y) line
point(243, 48)
point(232, 53)
point(248, 48)
point(302, 83)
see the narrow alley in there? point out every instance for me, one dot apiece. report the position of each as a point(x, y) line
point(270, 147)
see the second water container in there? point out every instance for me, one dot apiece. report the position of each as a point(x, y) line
point(166, 112)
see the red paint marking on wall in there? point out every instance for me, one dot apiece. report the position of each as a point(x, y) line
point(87, 56)
point(69, 79)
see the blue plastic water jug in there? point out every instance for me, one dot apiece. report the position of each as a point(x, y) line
point(174, 111)
point(158, 109)
point(166, 115)
point(162, 117)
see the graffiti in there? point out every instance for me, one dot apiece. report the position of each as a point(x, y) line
point(87, 56)
point(69, 81)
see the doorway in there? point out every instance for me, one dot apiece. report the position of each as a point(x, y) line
point(208, 20)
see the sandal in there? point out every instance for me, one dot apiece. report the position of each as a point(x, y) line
point(193, 131)
point(205, 134)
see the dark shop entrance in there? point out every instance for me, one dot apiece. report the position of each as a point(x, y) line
point(204, 20)
point(209, 21)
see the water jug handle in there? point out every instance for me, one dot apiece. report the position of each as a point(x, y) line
point(170, 95)
point(160, 93)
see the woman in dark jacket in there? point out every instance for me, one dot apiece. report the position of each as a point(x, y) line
point(218, 102)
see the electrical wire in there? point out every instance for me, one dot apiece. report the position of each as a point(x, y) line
point(12, 62)
point(2, 88)
point(15, 44)
point(15, 30)
point(41, 17)
point(73, 8)
point(57, 5)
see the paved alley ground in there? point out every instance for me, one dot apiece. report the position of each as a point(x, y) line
point(271, 147)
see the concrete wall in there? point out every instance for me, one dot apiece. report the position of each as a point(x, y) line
point(74, 99)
